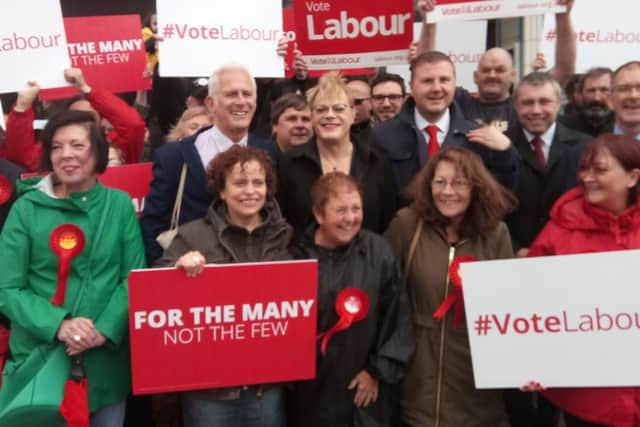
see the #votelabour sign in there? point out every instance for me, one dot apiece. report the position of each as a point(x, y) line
point(32, 44)
point(353, 33)
point(231, 325)
point(461, 10)
point(201, 35)
point(564, 321)
point(109, 51)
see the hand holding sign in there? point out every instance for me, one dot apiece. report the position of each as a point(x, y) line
point(76, 78)
point(192, 263)
point(26, 96)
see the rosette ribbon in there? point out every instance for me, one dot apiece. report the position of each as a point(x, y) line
point(352, 305)
point(66, 242)
point(455, 296)
point(5, 189)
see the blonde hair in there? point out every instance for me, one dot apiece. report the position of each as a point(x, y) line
point(177, 132)
point(332, 84)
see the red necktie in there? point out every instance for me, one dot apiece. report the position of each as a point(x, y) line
point(537, 145)
point(433, 146)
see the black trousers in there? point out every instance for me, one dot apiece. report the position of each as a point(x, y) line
point(526, 409)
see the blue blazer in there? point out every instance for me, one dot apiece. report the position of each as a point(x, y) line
point(167, 164)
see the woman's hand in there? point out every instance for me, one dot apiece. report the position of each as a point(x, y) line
point(79, 334)
point(367, 389)
point(192, 263)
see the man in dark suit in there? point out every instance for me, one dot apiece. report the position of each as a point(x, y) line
point(232, 104)
point(430, 119)
point(542, 143)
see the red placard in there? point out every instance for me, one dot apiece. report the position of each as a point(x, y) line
point(134, 179)
point(353, 33)
point(110, 52)
point(231, 325)
point(289, 30)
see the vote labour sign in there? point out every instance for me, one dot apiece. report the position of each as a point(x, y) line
point(462, 10)
point(32, 44)
point(232, 325)
point(110, 52)
point(289, 30)
point(554, 320)
point(353, 33)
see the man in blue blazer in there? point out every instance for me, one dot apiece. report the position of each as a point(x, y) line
point(231, 103)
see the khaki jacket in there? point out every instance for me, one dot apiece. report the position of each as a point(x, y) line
point(439, 387)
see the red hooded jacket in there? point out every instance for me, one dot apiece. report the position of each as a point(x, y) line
point(577, 226)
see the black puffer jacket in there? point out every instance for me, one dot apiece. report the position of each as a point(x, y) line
point(381, 344)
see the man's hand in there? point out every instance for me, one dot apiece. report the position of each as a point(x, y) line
point(26, 96)
point(76, 78)
point(424, 7)
point(281, 49)
point(539, 63)
point(490, 137)
point(300, 64)
point(366, 389)
point(568, 3)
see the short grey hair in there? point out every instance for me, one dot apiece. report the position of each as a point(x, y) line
point(214, 80)
point(537, 79)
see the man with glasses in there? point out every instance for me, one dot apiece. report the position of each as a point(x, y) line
point(360, 92)
point(387, 95)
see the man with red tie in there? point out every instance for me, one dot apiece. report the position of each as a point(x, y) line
point(541, 142)
point(430, 120)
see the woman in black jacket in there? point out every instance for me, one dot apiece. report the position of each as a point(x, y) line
point(363, 316)
point(333, 151)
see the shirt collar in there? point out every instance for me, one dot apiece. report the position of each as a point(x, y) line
point(443, 123)
point(547, 136)
point(617, 130)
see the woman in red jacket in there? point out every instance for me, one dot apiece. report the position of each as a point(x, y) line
point(601, 214)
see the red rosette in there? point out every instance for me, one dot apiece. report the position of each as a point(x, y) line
point(352, 305)
point(66, 242)
point(5, 189)
point(455, 297)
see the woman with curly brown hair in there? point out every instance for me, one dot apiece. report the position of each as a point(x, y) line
point(456, 211)
point(243, 224)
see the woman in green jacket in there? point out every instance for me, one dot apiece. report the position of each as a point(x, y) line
point(89, 321)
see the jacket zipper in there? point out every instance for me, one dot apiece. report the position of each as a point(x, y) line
point(452, 251)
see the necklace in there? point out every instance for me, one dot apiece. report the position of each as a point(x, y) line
point(336, 164)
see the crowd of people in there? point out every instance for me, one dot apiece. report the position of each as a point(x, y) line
point(383, 184)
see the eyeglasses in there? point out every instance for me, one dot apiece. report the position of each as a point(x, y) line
point(336, 108)
point(359, 101)
point(392, 98)
point(626, 89)
point(456, 184)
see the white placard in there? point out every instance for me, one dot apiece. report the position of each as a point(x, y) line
point(33, 45)
point(464, 42)
point(462, 10)
point(564, 321)
point(201, 35)
point(608, 41)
